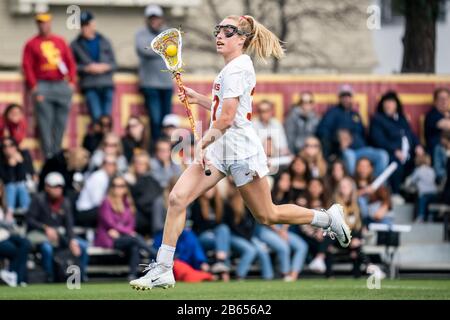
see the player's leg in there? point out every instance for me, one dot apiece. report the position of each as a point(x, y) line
point(258, 199)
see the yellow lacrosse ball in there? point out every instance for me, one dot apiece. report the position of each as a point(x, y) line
point(171, 50)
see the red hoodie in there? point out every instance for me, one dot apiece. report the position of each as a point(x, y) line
point(17, 131)
point(47, 58)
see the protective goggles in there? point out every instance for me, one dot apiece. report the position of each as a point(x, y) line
point(229, 31)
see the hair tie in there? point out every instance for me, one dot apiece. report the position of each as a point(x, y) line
point(244, 17)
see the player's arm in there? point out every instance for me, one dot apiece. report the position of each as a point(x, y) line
point(195, 98)
point(225, 120)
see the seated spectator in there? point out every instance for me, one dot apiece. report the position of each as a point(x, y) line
point(50, 225)
point(300, 175)
point(116, 225)
point(301, 122)
point(110, 145)
point(281, 190)
point(341, 131)
point(437, 119)
point(136, 138)
point(346, 195)
point(95, 60)
point(423, 179)
point(275, 162)
point(162, 167)
point(206, 216)
point(312, 153)
point(317, 195)
point(16, 171)
point(441, 156)
point(389, 130)
point(94, 192)
point(243, 242)
point(13, 247)
point(97, 130)
point(170, 123)
point(337, 172)
point(144, 189)
point(13, 123)
point(375, 205)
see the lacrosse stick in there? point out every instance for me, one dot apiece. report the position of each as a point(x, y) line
point(168, 45)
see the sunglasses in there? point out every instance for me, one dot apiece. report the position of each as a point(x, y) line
point(311, 145)
point(119, 186)
point(229, 30)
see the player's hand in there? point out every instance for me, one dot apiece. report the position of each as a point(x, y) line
point(75, 248)
point(113, 233)
point(51, 234)
point(200, 157)
point(188, 93)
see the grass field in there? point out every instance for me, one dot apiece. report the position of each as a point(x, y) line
point(248, 290)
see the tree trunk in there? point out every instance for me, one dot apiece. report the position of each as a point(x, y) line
point(419, 40)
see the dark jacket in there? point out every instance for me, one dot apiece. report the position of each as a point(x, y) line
point(199, 223)
point(386, 133)
point(17, 173)
point(40, 214)
point(245, 228)
point(432, 132)
point(83, 58)
point(130, 145)
point(144, 192)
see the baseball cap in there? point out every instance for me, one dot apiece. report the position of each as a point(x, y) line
point(43, 17)
point(86, 17)
point(153, 10)
point(54, 179)
point(171, 120)
point(345, 89)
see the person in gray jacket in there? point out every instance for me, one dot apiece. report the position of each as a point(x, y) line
point(96, 64)
point(156, 86)
point(301, 122)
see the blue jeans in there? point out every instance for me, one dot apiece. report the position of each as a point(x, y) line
point(422, 205)
point(46, 249)
point(158, 103)
point(378, 157)
point(17, 195)
point(16, 249)
point(99, 101)
point(217, 239)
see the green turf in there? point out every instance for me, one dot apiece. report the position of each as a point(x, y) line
point(303, 289)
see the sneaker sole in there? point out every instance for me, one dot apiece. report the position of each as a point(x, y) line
point(142, 288)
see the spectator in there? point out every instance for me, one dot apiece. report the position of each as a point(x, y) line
point(300, 175)
point(94, 191)
point(437, 119)
point(12, 246)
point(337, 172)
point(389, 130)
point(50, 225)
point(341, 130)
point(145, 190)
point(50, 72)
point(16, 169)
point(97, 131)
point(346, 195)
point(13, 123)
point(116, 225)
point(111, 145)
point(156, 86)
point(312, 153)
point(243, 242)
point(281, 190)
point(424, 180)
point(317, 195)
point(95, 60)
point(206, 216)
point(301, 122)
point(375, 205)
point(162, 166)
point(441, 156)
point(136, 138)
point(170, 123)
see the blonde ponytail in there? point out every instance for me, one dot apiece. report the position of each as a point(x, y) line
point(261, 41)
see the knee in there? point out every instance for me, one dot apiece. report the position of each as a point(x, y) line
point(177, 199)
point(267, 218)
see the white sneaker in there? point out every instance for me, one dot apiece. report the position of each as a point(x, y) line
point(9, 277)
point(338, 228)
point(157, 276)
point(317, 265)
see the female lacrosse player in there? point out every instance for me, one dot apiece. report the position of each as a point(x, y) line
point(232, 147)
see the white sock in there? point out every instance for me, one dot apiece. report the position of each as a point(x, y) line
point(321, 219)
point(165, 255)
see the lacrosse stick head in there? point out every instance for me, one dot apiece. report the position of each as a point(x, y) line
point(170, 38)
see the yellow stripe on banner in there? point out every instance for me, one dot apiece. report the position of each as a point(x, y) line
point(126, 102)
point(11, 97)
point(416, 98)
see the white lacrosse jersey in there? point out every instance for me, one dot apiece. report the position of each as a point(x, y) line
point(236, 80)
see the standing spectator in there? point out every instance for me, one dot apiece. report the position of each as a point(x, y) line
point(424, 180)
point(156, 86)
point(94, 191)
point(16, 169)
point(50, 71)
point(136, 139)
point(116, 225)
point(96, 132)
point(438, 118)
point(301, 122)
point(162, 167)
point(441, 156)
point(50, 225)
point(96, 64)
point(13, 123)
point(312, 153)
point(389, 130)
point(341, 131)
point(111, 145)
